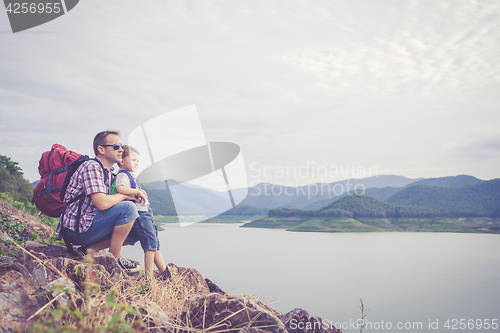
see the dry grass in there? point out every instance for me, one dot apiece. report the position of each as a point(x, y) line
point(140, 304)
point(135, 304)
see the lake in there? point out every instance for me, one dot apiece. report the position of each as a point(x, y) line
point(409, 281)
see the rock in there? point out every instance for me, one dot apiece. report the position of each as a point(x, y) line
point(217, 312)
point(158, 315)
point(17, 302)
point(295, 320)
point(207, 307)
point(57, 287)
point(214, 288)
point(252, 330)
point(39, 273)
point(110, 264)
point(48, 250)
point(319, 325)
point(299, 321)
point(189, 278)
point(43, 268)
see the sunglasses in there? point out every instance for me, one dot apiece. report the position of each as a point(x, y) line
point(116, 146)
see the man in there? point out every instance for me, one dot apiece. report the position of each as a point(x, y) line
point(105, 220)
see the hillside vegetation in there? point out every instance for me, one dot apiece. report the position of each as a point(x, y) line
point(480, 200)
point(362, 213)
point(359, 206)
point(327, 224)
point(161, 202)
point(384, 193)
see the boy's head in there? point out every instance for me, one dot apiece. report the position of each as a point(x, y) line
point(130, 159)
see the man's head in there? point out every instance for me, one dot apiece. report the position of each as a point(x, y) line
point(108, 147)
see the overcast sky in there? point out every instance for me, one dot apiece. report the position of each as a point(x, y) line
point(395, 87)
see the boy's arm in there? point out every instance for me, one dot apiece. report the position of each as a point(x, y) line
point(127, 190)
point(122, 189)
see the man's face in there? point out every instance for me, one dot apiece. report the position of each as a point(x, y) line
point(110, 153)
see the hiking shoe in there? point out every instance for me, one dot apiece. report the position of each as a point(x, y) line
point(82, 250)
point(163, 276)
point(129, 266)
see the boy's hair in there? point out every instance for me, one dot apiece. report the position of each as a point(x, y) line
point(127, 149)
point(100, 139)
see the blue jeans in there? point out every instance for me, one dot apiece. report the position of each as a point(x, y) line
point(145, 229)
point(104, 222)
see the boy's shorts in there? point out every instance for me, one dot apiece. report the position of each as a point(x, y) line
point(145, 229)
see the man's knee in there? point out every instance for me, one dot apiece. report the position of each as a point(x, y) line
point(129, 210)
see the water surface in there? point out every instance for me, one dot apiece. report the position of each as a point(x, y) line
point(409, 278)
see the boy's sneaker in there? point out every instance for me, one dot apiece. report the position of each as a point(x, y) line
point(163, 276)
point(129, 266)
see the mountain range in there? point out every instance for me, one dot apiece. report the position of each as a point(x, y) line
point(442, 194)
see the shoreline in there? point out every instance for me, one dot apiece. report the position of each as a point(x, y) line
point(486, 225)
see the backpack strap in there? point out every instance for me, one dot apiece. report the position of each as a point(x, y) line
point(48, 190)
point(132, 181)
point(62, 233)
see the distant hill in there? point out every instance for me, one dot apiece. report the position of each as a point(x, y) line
point(197, 200)
point(266, 195)
point(481, 200)
point(377, 193)
point(190, 200)
point(452, 181)
point(359, 206)
point(386, 192)
point(161, 202)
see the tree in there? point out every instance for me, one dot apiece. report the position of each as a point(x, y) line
point(12, 181)
point(11, 166)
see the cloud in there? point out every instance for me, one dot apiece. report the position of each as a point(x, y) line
point(478, 143)
point(371, 82)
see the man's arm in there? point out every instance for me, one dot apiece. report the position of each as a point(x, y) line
point(140, 195)
point(104, 201)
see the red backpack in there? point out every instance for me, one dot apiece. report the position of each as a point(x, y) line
point(55, 167)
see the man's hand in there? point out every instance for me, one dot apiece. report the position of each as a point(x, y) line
point(141, 197)
point(131, 197)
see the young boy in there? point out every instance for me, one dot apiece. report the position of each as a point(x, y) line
point(144, 227)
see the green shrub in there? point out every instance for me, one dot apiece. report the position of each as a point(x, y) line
point(12, 227)
point(6, 197)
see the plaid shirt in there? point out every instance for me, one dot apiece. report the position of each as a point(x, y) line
point(88, 178)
